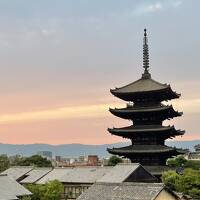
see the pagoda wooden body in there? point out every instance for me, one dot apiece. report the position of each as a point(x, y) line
point(147, 112)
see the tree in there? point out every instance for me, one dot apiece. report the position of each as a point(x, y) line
point(4, 162)
point(193, 164)
point(26, 198)
point(50, 191)
point(114, 160)
point(14, 160)
point(54, 190)
point(178, 161)
point(188, 183)
point(35, 160)
point(170, 178)
point(36, 190)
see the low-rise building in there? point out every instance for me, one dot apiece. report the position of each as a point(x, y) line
point(128, 191)
point(45, 154)
point(77, 180)
point(194, 155)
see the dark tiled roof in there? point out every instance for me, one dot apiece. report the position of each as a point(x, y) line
point(143, 109)
point(131, 112)
point(122, 191)
point(148, 130)
point(143, 128)
point(141, 85)
point(142, 149)
point(144, 86)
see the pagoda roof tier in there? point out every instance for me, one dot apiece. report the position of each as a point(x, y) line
point(146, 130)
point(144, 87)
point(143, 149)
point(135, 112)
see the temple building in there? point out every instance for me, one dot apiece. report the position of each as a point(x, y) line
point(147, 112)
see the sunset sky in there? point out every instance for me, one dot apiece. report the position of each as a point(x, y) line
point(59, 59)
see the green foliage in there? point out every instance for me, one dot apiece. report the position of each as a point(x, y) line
point(170, 178)
point(26, 198)
point(14, 160)
point(34, 160)
point(37, 191)
point(17, 160)
point(50, 191)
point(54, 189)
point(193, 164)
point(4, 162)
point(113, 160)
point(188, 183)
point(178, 161)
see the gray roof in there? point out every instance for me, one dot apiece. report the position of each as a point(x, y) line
point(17, 172)
point(55, 174)
point(84, 174)
point(119, 173)
point(122, 191)
point(35, 175)
point(10, 189)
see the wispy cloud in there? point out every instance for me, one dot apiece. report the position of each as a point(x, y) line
point(79, 112)
point(56, 113)
point(156, 7)
point(176, 3)
point(153, 7)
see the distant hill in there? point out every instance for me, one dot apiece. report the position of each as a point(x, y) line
point(74, 150)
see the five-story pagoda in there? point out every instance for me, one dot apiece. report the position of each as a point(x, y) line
point(146, 111)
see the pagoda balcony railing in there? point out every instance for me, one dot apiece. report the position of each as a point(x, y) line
point(129, 104)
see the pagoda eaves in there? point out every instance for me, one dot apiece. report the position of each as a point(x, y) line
point(145, 88)
point(162, 112)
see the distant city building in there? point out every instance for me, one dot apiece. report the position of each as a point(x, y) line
point(90, 160)
point(194, 155)
point(197, 148)
point(147, 114)
point(45, 154)
point(93, 160)
point(58, 158)
point(82, 159)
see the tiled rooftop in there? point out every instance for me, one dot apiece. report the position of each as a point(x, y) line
point(11, 189)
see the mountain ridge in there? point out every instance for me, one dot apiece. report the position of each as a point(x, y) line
point(77, 149)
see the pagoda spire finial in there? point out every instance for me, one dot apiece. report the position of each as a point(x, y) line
point(146, 73)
